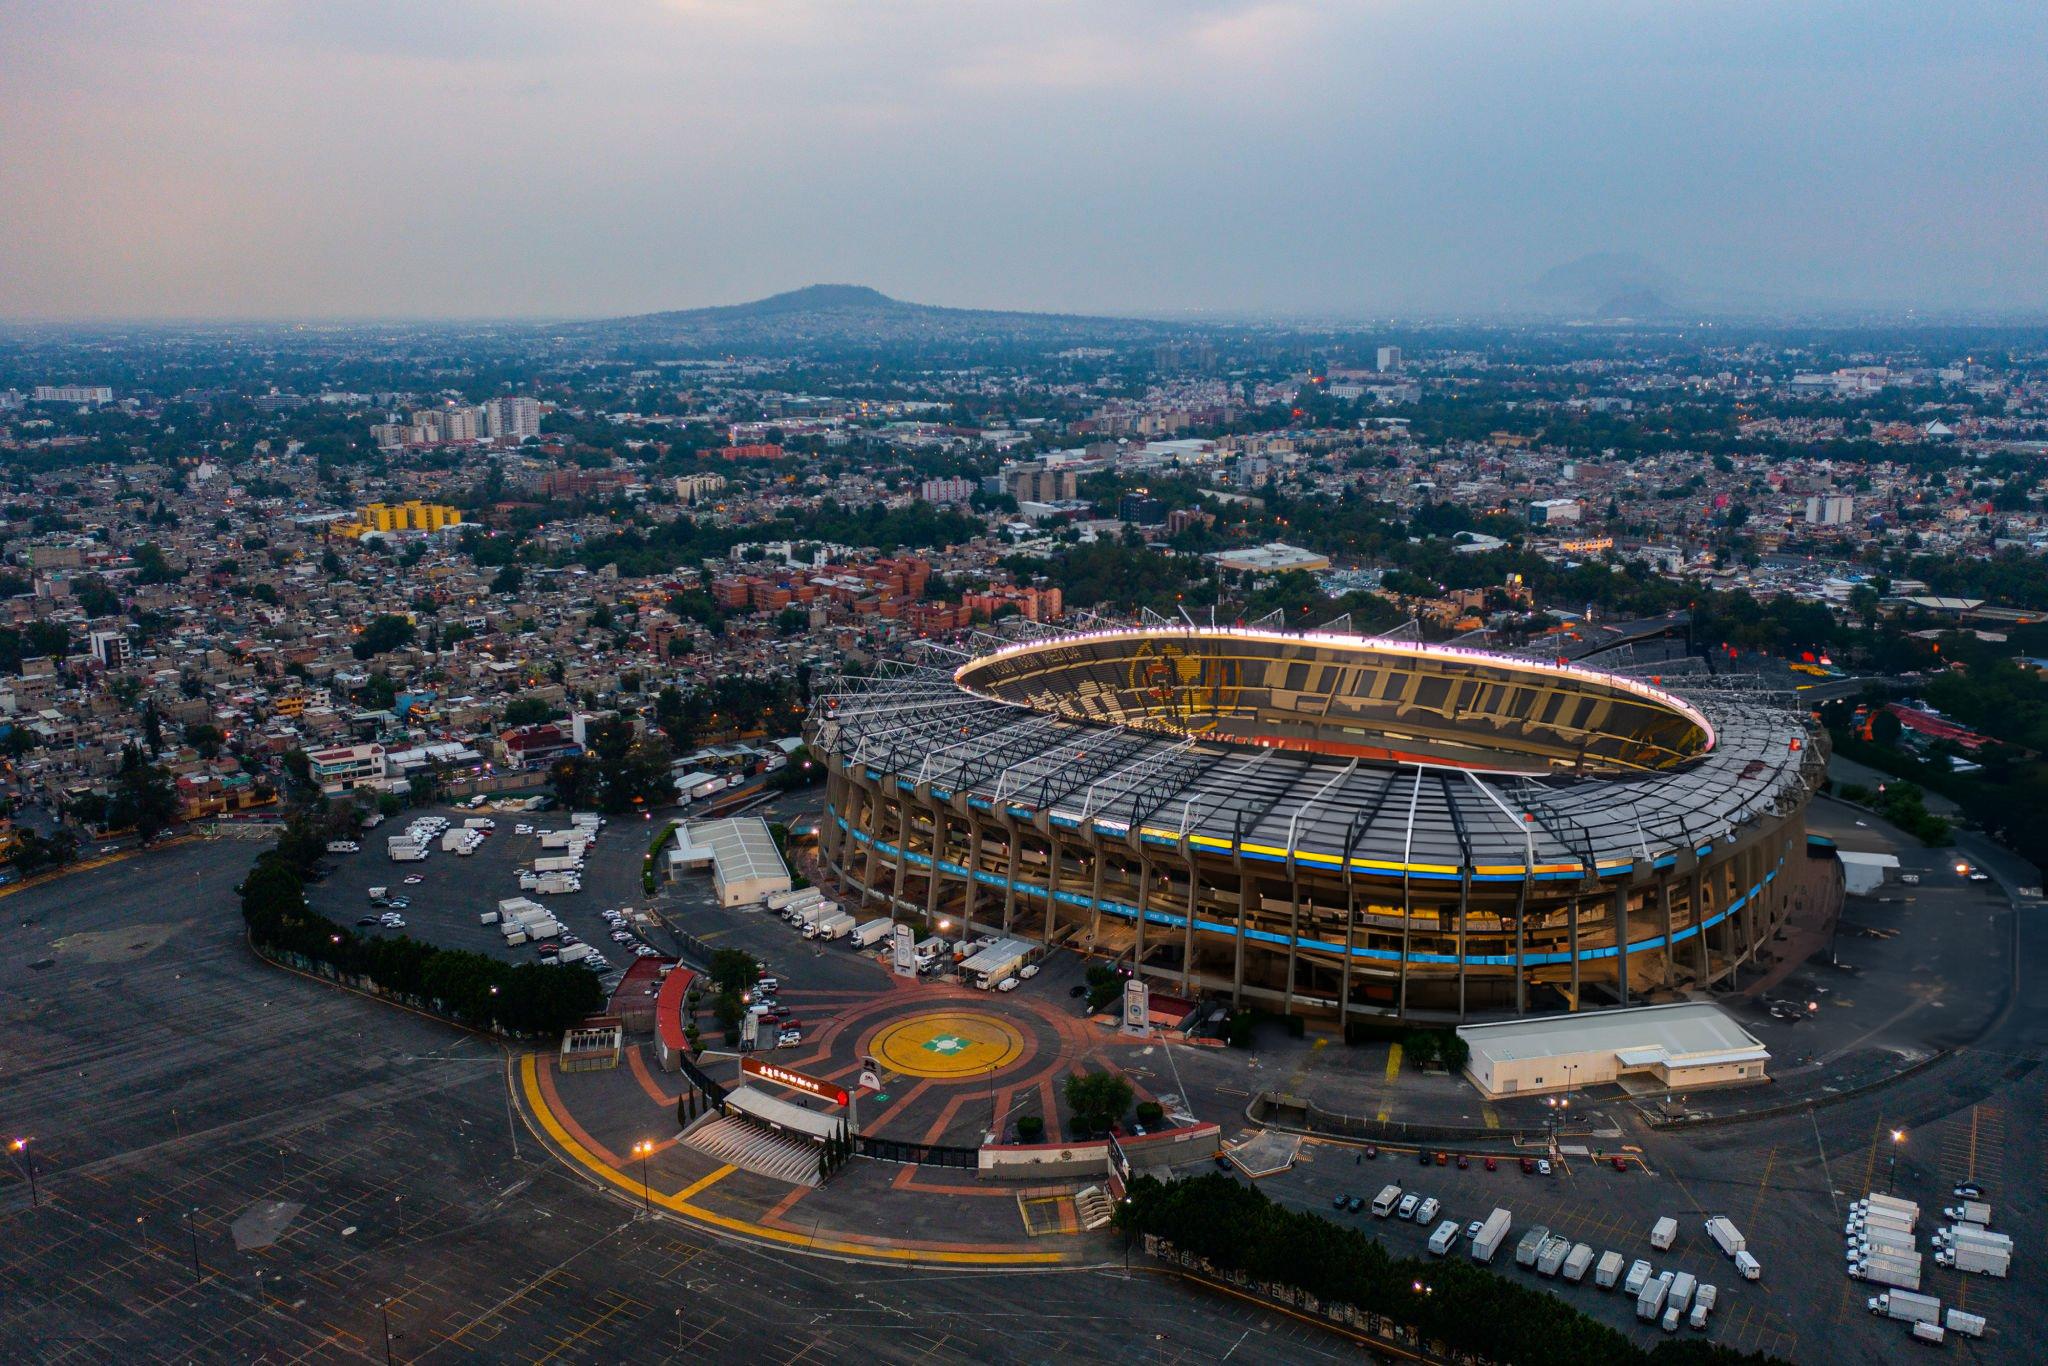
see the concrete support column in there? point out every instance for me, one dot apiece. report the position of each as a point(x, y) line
point(1619, 912)
point(1670, 948)
point(1572, 911)
point(972, 899)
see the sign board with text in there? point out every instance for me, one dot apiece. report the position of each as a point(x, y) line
point(794, 1080)
point(904, 947)
point(1137, 1007)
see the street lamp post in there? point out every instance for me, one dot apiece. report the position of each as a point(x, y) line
point(1891, 1180)
point(384, 1309)
point(193, 1233)
point(28, 1156)
point(643, 1150)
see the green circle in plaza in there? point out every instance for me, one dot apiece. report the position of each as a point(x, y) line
point(948, 1045)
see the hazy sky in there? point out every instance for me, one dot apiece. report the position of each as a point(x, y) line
point(589, 157)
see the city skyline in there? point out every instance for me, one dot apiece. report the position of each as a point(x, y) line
point(1234, 160)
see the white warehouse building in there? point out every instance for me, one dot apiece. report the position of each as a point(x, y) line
point(1689, 1044)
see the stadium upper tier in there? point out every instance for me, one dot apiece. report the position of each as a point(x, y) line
point(1379, 758)
point(1351, 698)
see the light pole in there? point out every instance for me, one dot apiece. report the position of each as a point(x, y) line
point(643, 1150)
point(1891, 1179)
point(384, 1308)
point(28, 1155)
point(193, 1233)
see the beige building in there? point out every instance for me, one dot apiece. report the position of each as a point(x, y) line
point(1671, 1047)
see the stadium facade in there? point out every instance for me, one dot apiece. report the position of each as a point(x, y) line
point(1326, 824)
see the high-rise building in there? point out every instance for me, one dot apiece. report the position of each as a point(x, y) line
point(1834, 509)
point(447, 424)
point(511, 418)
point(73, 393)
point(1389, 358)
point(1042, 484)
point(110, 648)
point(954, 490)
point(695, 488)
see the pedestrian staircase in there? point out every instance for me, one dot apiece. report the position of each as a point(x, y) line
point(753, 1148)
point(1094, 1207)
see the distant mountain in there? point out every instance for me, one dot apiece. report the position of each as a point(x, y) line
point(1606, 285)
point(839, 316)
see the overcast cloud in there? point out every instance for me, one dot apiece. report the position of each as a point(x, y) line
point(590, 157)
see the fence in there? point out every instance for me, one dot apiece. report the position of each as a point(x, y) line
point(701, 1079)
point(1305, 1116)
point(917, 1154)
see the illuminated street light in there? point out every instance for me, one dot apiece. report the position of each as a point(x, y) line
point(643, 1150)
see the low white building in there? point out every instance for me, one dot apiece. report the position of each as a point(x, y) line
point(1689, 1044)
point(745, 864)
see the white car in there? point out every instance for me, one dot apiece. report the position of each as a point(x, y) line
point(642, 951)
point(413, 879)
point(1407, 1206)
point(1008, 984)
point(1028, 970)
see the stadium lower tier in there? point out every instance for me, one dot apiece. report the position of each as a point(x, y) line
point(1288, 936)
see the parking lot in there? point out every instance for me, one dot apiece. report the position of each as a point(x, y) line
point(453, 890)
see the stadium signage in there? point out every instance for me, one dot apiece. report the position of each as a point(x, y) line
point(794, 1080)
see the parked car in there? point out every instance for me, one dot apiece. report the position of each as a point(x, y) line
point(1422, 1158)
point(413, 879)
point(1463, 1162)
point(1543, 1166)
point(1372, 1152)
point(1620, 1164)
point(1406, 1209)
point(1491, 1165)
point(1443, 1159)
point(1528, 1166)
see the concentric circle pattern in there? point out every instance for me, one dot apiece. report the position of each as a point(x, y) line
point(948, 1045)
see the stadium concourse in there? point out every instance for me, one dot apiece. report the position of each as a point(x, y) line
point(1328, 825)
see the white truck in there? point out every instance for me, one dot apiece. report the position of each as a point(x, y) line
point(1550, 1258)
point(556, 884)
point(808, 918)
point(343, 847)
point(404, 851)
point(1650, 1299)
point(452, 841)
point(1982, 1261)
point(1905, 1208)
point(1969, 1325)
point(1702, 1303)
point(1898, 1272)
point(575, 953)
point(557, 863)
point(1491, 1234)
point(1531, 1246)
point(782, 901)
point(870, 933)
point(1906, 1306)
point(1639, 1274)
point(1747, 1264)
point(1929, 1332)
point(1608, 1273)
point(1445, 1237)
point(1664, 1233)
point(794, 911)
point(1577, 1262)
point(1682, 1286)
point(831, 927)
point(1726, 1236)
point(1383, 1203)
point(1970, 1212)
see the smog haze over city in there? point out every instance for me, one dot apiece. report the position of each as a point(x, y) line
point(466, 158)
point(781, 681)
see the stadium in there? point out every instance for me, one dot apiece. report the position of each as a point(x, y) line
point(1324, 824)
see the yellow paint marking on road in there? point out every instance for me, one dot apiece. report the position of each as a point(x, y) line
point(1491, 1116)
point(537, 1105)
point(1394, 1062)
point(1383, 1116)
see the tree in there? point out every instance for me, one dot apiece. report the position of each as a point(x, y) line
point(143, 798)
point(1097, 1099)
point(386, 632)
point(734, 970)
point(207, 739)
point(507, 581)
point(527, 711)
point(152, 567)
